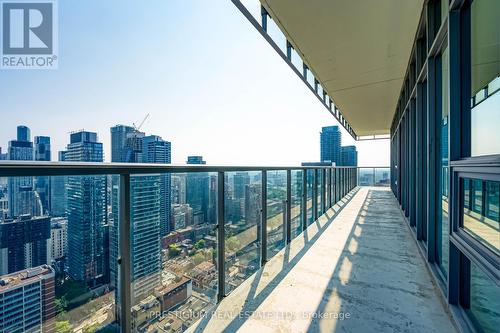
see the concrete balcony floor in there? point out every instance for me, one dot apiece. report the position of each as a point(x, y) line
point(356, 269)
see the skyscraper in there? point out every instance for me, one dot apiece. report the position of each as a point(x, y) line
point(331, 141)
point(86, 212)
point(197, 191)
point(3, 156)
point(195, 160)
point(349, 156)
point(23, 133)
point(157, 150)
point(58, 192)
point(42, 148)
point(118, 142)
point(24, 242)
point(22, 198)
point(42, 184)
point(145, 217)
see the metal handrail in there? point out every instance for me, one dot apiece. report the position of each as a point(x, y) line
point(39, 168)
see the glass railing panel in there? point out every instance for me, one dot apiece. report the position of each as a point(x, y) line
point(54, 240)
point(480, 211)
point(374, 176)
point(382, 176)
point(366, 176)
point(276, 211)
point(319, 192)
point(296, 203)
point(309, 201)
point(173, 248)
point(243, 209)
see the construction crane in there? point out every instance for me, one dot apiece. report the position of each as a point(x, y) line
point(137, 128)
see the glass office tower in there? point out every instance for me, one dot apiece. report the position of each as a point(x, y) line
point(86, 204)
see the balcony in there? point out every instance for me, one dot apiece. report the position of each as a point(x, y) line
point(353, 270)
point(132, 275)
point(88, 246)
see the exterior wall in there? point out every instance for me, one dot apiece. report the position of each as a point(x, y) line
point(444, 167)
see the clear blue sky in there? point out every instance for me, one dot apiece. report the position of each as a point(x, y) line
point(211, 84)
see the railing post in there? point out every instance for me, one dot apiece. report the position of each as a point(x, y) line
point(334, 171)
point(288, 50)
point(221, 236)
point(263, 13)
point(304, 199)
point(330, 192)
point(288, 224)
point(124, 261)
point(323, 191)
point(263, 215)
point(315, 195)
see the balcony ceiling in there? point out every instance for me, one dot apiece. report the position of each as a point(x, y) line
point(358, 50)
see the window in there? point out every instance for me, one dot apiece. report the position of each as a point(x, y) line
point(484, 301)
point(485, 77)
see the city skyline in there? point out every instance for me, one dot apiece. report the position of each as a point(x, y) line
point(185, 91)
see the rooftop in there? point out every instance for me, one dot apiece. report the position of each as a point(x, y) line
point(24, 277)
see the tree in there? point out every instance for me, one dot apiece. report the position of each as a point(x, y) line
point(61, 304)
point(199, 244)
point(91, 329)
point(232, 244)
point(63, 327)
point(173, 250)
point(198, 258)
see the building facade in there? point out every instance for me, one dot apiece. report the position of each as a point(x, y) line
point(127, 144)
point(349, 156)
point(27, 301)
point(42, 152)
point(22, 197)
point(330, 143)
point(197, 191)
point(445, 154)
point(24, 243)
point(157, 150)
point(58, 238)
point(86, 209)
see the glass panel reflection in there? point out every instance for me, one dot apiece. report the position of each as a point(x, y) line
point(319, 200)
point(276, 207)
point(484, 301)
point(485, 77)
point(297, 203)
point(243, 208)
point(54, 246)
point(443, 227)
point(309, 203)
point(482, 222)
point(173, 254)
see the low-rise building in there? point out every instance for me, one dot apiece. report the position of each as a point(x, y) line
point(174, 294)
point(27, 300)
point(58, 238)
point(144, 313)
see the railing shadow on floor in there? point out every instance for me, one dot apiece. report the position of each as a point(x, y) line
point(255, 297)
point(381, 280)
